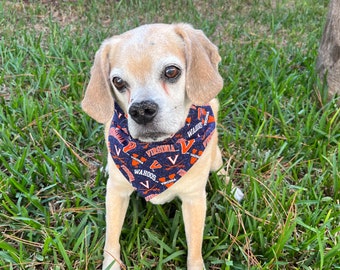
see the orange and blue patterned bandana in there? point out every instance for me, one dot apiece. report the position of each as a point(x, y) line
point(152, 168)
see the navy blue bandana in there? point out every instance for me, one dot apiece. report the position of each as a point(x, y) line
point(152, 168)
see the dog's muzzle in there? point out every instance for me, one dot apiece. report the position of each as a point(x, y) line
point(143, 112)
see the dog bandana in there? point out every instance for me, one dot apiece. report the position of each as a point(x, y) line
point(152, 168)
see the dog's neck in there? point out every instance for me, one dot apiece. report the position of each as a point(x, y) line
point(153, 167)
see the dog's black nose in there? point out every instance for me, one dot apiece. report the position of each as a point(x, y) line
point(143, 112)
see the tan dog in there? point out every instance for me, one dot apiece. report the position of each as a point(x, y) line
point(149, 78)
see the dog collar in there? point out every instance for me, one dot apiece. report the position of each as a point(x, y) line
point(152, 168)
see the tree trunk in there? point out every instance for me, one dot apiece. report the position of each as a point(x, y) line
point(328, 62)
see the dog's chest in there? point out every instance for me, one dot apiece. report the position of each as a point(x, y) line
point(151, 168)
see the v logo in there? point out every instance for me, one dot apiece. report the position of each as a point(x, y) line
point(145, 184)
point(117, 150)
point(173, 160)
point(185, 147)
point(129, 147)
point(155, 165)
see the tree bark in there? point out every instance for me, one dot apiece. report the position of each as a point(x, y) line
point(328, 62)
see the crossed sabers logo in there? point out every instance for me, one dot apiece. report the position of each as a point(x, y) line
point(146, 188)
point(134, 157)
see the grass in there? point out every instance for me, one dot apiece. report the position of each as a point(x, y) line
point(279, 133)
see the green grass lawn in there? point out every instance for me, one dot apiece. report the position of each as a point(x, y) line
point(279, 133)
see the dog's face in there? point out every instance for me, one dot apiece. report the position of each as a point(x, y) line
point(147, 75)
point(155, 73)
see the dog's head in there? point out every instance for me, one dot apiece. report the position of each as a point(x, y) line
point(154, 72)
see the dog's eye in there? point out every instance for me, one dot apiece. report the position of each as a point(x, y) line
point(119, 83)
point(172, 73)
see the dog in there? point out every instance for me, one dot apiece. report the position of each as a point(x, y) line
point(154, 88)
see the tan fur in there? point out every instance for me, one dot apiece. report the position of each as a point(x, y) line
point(139, 56)
point(98, 102)
point(204, 82)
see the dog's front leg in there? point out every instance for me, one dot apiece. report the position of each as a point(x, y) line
point(194, 211)
point(116, 206)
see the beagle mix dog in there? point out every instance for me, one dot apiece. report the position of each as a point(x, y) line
point(154, 89)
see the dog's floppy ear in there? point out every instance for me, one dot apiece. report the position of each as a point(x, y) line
point(98, 101)
point(203, 80)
